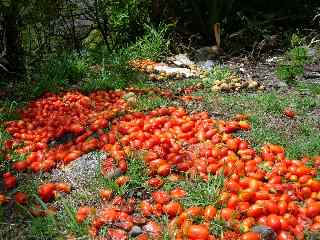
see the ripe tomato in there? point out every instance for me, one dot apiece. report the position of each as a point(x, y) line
point(283, 235)
point(274, 222)
point(228, 214)
point(21, 198)
point(63, 187)
point(209, 213)
point(105, 194)
point(82, 213)
point(178, 193)
point(172, 209)
point(289, 113)
point(199, 232)
point(122, 180)
point(9, 180)
point(164, 170)
point(250, 236)
point(161, 197)
point(46, 191)
point(283, 207)
point(233, 186)
point(255, 211)
point(313, 210)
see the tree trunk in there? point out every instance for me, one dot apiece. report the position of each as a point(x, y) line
point(12, 41)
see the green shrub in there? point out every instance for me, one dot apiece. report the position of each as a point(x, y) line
point(59, 72)
point(115, 71)
point(293, 64)
point(127, 19)
point(153, 45)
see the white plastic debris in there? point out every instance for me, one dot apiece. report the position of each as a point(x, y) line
point(174, 70)
point(181, 60)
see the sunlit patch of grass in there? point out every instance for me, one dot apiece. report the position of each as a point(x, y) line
point(200, 193)
point(300, 136)
point(314, 88)
point(150, 102)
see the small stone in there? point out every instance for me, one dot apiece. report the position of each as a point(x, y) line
point(113, 173)
point(266, 232)
point(135, 231)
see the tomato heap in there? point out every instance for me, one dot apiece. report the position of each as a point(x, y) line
point(55, 115)
point(262, 188)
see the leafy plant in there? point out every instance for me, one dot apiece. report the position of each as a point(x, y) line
point(217, 73)
point(60, 72)
point(218, 227)
point(293, 64)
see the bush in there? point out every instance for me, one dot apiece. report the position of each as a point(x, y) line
point(293, 64)
point(115, 72)
point(60, 72)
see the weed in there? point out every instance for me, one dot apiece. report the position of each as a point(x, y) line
point(8, 110)
point(216, 74)
point(137, 171)
point(149, 102)
point(314, 88)
point(59, 72)
point(153, 45)
point(200, 193)
point(293, 64)
point(68, 220)
point(105, 81)
point(218, 227)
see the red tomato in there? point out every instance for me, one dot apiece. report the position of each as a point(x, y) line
point(161, 197)
point(21, 198)
point(209, 213)
point(63, 187)
point(228, 214)
point(46, 191)
point(178, 193)
point(172, 209)
point(313, 209)
point(233, 186)
point(199, 232)
point(283, 207)
point(255, 211)
point(289, 113)
point(105, 194)
point(155, 182)
point(82, 213)
point(122, 180)
point(9, 180)
point(274, 222)
point(250, 236)
point(146, 208)
point(164, 170)
point(283, 235)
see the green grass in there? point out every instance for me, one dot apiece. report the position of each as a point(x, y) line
point(217, 73)
point(150, 102)
point(300, 136)
point(314, 88)
point(200, 193)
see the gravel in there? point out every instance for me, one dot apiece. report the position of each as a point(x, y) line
point(80, 172)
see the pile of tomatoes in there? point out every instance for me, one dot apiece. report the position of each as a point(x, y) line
point(53, 116)
point(262, 188)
